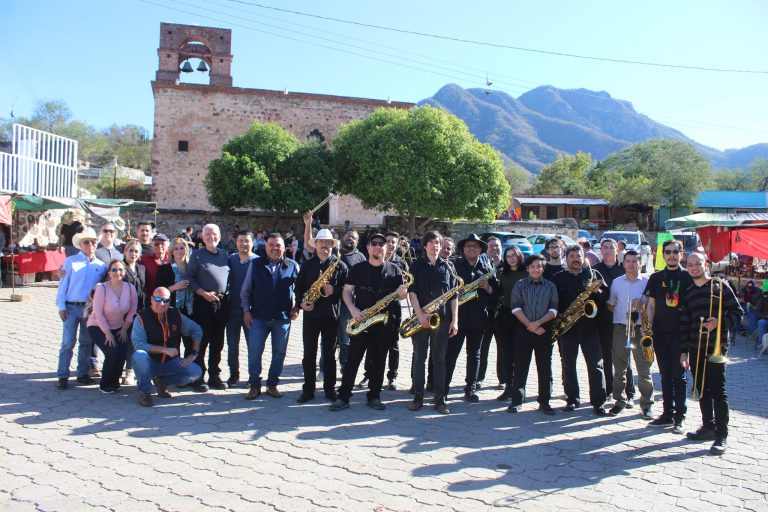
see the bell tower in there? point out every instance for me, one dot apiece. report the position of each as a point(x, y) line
point(209, 45)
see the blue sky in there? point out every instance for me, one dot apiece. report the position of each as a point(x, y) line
point(100, 55)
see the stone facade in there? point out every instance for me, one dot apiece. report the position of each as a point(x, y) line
point(193, 122)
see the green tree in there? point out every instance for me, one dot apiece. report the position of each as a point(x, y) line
point(732, 179)
point(268, 168)
point(758, 171)
point(421, 162)
point(518, 177)
point(566, 175)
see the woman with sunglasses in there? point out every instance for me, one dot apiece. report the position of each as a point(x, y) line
point(114, 306)
point(136, 275)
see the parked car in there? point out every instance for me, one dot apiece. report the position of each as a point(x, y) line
point(691, 242)
point(509, 239)
point(636, 241)
point(538, 240)
point(586, 234)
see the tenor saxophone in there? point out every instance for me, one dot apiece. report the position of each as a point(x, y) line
point(376, 313)
point(646, 342)
point(579, 308)
point(315, 291)
point(412, 325)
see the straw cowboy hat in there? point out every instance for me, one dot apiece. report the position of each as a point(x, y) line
point(86, 234)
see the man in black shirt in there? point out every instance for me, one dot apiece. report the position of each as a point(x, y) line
point(320, 317)
point(554, 248)
point(706, 303)
point(664, 290)
point(369, 282)
point(433, 277)
point(570, 283)
point(609, 268)
point(473, 314)
point(350, 256)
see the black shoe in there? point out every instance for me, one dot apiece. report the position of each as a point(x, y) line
point(162, 391)
point(62, 384)
point(547, 409)
point(200, 387)
point(216, 384)
point(599, 411)
point(233, 380)
point(253, 393)
point(85, 380)
point(376, 404)
point(339, 404)
point(616, 410)
point(705, 433)
point(363, 383)
point(330, 395)
point(571, 406)
point(479, 385)
point(647, 413)
point(506, 395)
point(145, 399)
point(109, 390)
point(679, 427)
point(662, 421)
point(392, 385)
point(304, 398)
point(440, 405)
point(719, 446)
point(418, 403)
point(513, 408)
point(471, 397)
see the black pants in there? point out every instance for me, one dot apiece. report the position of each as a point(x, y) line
point(326, 329)
point(606, 346)
point(590, 348)
point(526, 344)
point(673, 379)
point(114, 357)
point(474, 337)
point(505, 342)
point(376, 340)
point(212, 317)
point(713, 399)
point(393, 325)
point(485, 348)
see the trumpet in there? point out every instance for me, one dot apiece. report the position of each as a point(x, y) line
point(716, 357)
point(630, 323)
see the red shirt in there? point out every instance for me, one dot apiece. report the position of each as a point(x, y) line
point(151, 264)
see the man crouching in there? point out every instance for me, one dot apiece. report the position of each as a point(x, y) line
point(156, 337)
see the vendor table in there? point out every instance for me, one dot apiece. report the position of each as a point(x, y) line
point(34, 262)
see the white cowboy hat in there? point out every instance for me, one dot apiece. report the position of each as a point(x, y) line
point(324, 234)
point(86, 234)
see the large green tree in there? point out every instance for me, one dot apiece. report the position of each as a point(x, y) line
point(421, 162)
point(268, 168)
point(566, 175)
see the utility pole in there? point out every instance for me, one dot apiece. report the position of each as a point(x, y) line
point(114, 178)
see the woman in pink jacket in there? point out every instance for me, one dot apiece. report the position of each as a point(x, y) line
point(114, 306)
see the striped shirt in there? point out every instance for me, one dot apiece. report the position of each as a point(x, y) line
point(695, 304)
point(534, 299)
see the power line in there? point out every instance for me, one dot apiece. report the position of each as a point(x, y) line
point(503, 46)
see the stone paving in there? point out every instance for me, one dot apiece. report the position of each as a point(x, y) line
point(83, 450)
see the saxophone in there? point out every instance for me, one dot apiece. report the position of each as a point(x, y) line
point(646, 343)
point(580, 307)
point(469, 291)
point(315, 291)
point(412, 325)
point(376, 313)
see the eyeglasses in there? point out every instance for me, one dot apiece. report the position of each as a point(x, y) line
point(107, 230)
point(161, 299)
point(676, 251)
point(88, 242)
point(376, 243)
point(117, 269)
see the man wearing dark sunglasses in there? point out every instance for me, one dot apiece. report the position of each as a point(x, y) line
point(664, 290)
point(156, 338)
point(107, 251)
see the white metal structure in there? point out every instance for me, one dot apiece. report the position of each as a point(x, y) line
point(39, 163)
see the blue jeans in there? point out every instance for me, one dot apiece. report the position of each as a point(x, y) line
point(260, 329)
point(145, 368)
point(235, 324)
point(69, 334)
point(752, 319)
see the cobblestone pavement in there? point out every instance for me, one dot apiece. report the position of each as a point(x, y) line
point(82, 450)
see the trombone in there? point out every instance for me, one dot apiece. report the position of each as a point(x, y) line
point(716, 357)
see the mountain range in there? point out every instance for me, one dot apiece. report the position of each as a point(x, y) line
point(535, 128)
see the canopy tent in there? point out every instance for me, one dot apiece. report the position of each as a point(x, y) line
point(719, 241)
point(716, 219)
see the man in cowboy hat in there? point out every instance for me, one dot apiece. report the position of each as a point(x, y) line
point(82, 272)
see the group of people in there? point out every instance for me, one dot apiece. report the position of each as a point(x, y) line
point(165, 311)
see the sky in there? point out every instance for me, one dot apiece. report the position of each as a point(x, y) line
point(100, 56)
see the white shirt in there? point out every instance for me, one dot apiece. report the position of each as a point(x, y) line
point(620, 288)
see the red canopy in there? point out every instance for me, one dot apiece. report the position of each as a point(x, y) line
point(718, 241)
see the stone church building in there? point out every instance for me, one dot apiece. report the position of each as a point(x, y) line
point(194, 121)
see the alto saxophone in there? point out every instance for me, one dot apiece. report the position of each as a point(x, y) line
point(315, 291)
point(469, 291)
point(646, 342)
point(376, 313)
point(580, 307)
point(412, 325)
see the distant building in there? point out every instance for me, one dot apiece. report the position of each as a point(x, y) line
point(591, 211)
point(731, 201)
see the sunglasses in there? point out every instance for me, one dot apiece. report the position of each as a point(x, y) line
point(161, 299)
point(107, 230)
point(117, 269)
point(89, 242)
point(376, 243)
point(667, 251)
